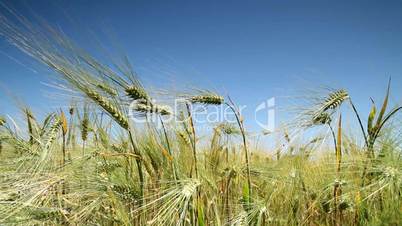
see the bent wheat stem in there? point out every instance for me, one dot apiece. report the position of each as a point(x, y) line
point(239, 120)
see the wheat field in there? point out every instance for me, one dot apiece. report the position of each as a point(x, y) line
point(89, 163)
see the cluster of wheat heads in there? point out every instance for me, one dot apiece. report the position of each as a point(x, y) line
point(123, 173)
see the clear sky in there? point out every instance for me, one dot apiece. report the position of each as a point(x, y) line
point(252, 50)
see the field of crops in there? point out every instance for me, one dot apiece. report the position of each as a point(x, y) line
point(91, 164)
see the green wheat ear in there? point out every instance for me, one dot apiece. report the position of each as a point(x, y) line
point(184, 137)
point(334, 100)
point(157, 109)
point(51, 137)
point(108, 107)
point(136, 93)
point(85, 128)
point(207, 98)
point(107, 89)
point(325, 108)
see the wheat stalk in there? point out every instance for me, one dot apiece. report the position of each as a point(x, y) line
point(2, 123)
point(240, 123)
point(337, 184)
point(64, 129)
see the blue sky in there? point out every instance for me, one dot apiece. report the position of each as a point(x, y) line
point(252, 50)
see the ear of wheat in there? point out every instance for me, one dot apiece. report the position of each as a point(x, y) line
point(30, 121)
point(108, 107)
point(52, 133)
point(146, 108)
point(84, 127)
point(51, 136)
point(323, 118)
point(322, 111)
point(107, 89)
point(103, 137)
point(371, 117)
point(228, 129)
point(136, 93)
point(184, 137)
point(163, 110)
point(208, 98)
point(334, 100)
